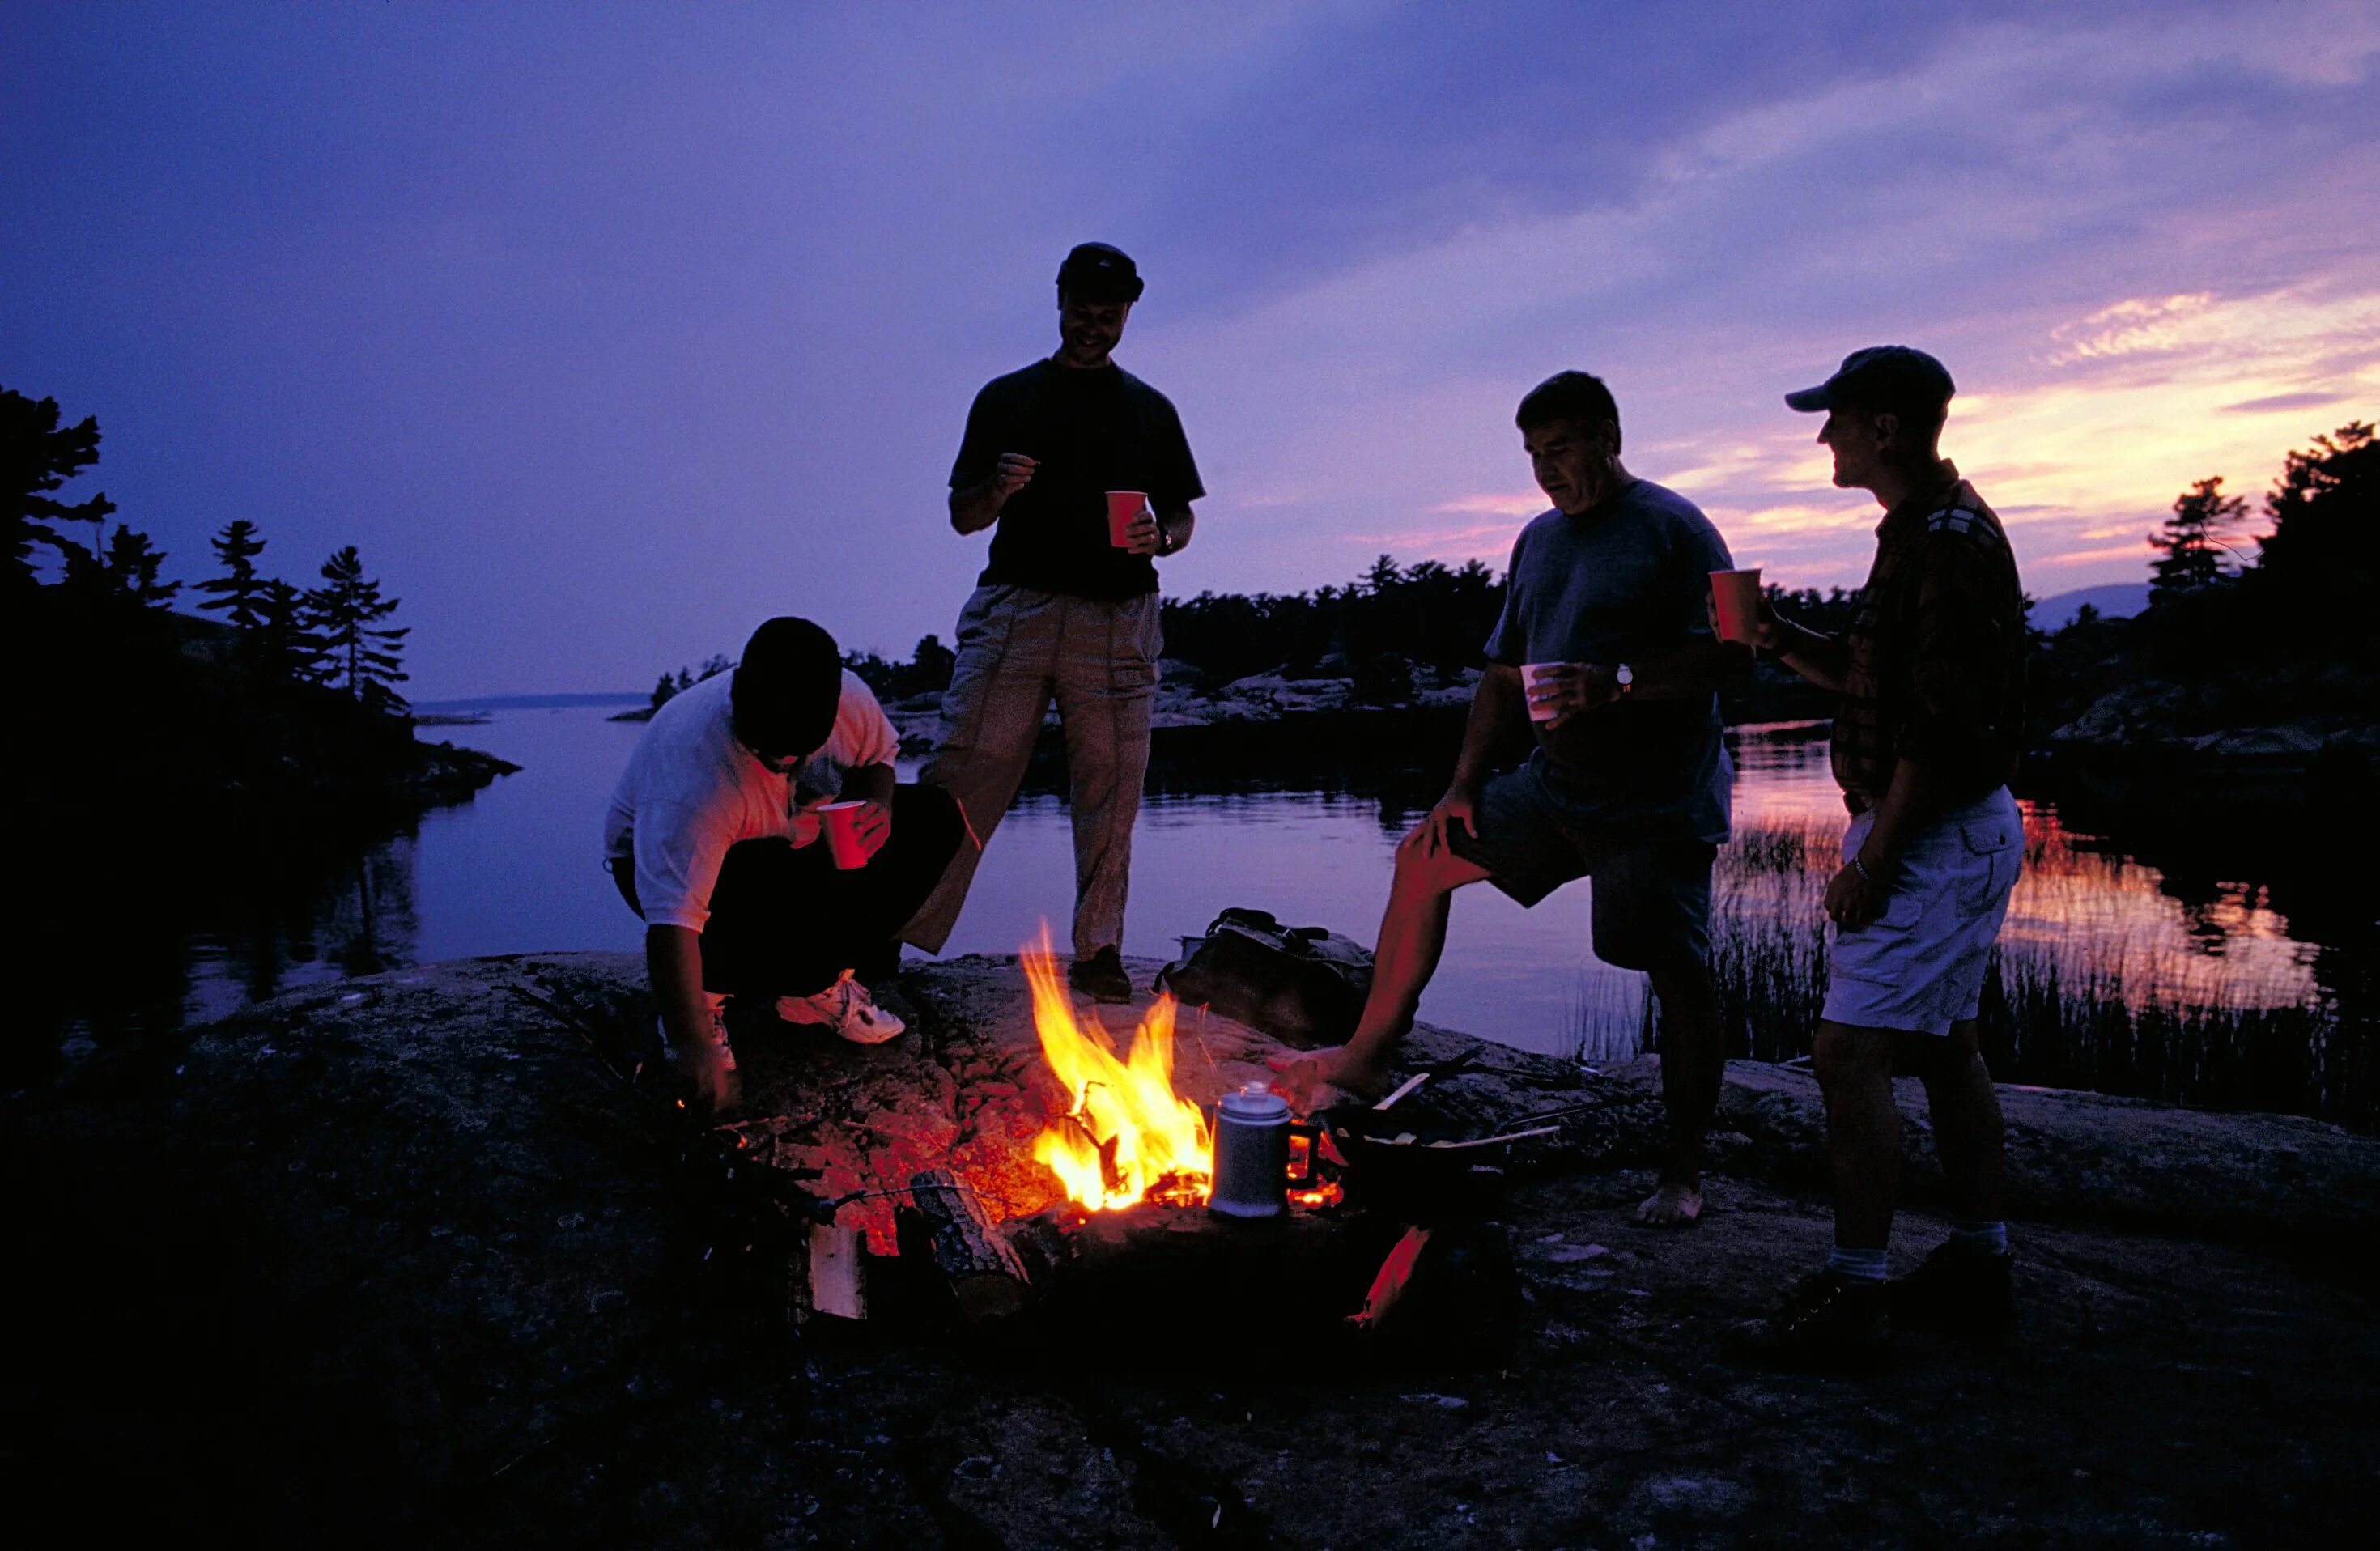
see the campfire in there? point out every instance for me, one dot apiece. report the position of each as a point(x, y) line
point(1137, 1228)
point(1129, 1137)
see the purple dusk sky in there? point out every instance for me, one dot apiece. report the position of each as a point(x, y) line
point(607, 330)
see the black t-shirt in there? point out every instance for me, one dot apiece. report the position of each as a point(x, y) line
point(1091, 432)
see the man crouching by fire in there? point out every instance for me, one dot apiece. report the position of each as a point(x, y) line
point(1606, 622)
point(716, 837)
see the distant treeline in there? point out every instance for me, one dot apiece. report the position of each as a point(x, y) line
point(2256, 638)
point(1383, 632)
point(290, 688)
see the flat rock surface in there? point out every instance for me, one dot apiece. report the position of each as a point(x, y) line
point(436, 1256)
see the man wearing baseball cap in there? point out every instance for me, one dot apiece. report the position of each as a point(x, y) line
point(1931, 674)
point(1066, 609)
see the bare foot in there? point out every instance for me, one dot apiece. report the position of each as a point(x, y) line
point(1307, 1080)
point(1672, 1205)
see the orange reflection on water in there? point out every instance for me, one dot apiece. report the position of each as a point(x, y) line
point(2098, 920)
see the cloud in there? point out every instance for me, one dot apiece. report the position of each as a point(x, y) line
point(2131, 327)
point(2274, 404)
point(1523, 505)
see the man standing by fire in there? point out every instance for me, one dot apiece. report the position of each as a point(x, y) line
point(1931, 674)
point(715, 837)
point(1067, 607)
point(1606, 622)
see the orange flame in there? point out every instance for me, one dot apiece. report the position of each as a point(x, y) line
point(1129, 1137)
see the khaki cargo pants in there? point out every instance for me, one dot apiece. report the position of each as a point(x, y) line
point(1018, 649)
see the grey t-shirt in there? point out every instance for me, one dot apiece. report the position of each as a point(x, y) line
point(1620, 583)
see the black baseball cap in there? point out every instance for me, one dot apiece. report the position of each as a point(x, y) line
point(787, 689)
point(1880, 377)
point(1096, 273)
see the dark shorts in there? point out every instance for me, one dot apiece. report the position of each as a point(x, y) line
point(1651, 906)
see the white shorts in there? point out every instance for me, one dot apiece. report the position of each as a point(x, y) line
point(1919, 965)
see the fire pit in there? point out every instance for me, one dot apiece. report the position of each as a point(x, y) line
point(1127, 1242)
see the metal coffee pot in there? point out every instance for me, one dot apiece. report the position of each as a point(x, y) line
point(1252, 1154)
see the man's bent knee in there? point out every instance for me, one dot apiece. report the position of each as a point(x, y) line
point(1420, 877)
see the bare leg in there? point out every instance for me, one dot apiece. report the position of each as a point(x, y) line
point(1413, 935)
point(1854, 1068)
point(1967, 1128)
point(1691, 1073)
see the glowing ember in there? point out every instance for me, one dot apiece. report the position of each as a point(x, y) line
point(1129, 1137)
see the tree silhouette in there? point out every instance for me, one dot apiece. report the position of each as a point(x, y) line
point(35, 458)
point(2189, 543)
point(123, 570)
point(2324, 506)
point(287, 650)
point(131, 568)
point(239, 590)
point(2315, 577)
point(344, 612)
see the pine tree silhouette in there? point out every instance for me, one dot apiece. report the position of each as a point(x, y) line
point(286, 649)
point(363, 655)
point(35, 458)
point(2189, 543)
point(124, 570)
point(239, 590)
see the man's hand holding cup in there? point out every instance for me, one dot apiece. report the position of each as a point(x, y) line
point(1557, 691)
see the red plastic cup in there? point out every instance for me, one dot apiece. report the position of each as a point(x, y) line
point(1736, 597)
point(1124, 508)
point(841, 821)
point(1530, 674)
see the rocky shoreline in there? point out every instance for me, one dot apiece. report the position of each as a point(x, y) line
point(433, 1254)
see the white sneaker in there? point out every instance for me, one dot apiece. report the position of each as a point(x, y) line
point(716, 1006)
point(847, 1008)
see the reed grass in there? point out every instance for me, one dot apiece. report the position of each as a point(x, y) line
point(2163, 1017)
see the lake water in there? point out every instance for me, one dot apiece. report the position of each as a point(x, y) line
point(2090, 930)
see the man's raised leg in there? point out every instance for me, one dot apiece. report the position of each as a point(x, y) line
point(1413, 935)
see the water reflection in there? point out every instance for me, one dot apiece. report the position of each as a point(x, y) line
point(2198, 982)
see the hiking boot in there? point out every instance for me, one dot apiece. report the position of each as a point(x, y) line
point(1956, 1292)
point(848, 1009)
point(1832, 1323)
point(1100, 976)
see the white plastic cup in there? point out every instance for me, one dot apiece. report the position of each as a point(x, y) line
point(841, 822)
point(1531, 673)
point(1736, 597)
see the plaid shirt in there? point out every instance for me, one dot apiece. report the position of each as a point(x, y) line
point(1936, 653)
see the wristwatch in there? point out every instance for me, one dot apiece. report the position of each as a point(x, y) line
point(1623, 679)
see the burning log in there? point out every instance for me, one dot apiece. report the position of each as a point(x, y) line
point(951, 1226)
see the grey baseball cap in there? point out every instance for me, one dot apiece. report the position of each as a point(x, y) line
point(1880, 377)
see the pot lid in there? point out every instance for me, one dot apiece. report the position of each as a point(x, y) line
point(1255, 1104)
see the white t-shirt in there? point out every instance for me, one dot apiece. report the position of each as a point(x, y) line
point(691, 791)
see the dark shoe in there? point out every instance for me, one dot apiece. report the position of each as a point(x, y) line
point(1100, 976)
point(1832, 1323)
point(1957, 1292)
